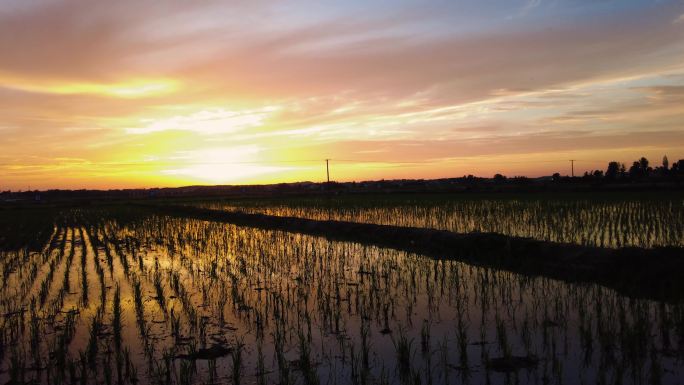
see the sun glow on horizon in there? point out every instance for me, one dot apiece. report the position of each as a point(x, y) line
point(222, 165)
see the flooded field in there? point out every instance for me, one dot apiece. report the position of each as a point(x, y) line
point(118, 296)
point(612, 220)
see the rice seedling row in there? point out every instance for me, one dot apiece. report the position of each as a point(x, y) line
point(648, 220)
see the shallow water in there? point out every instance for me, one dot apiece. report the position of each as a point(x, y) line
point(318, 311)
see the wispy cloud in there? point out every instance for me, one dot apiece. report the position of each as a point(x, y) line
point(136, 88)
point(526, 8)
point(214, 121)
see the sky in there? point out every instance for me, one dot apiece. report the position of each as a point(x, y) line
point(130, 94)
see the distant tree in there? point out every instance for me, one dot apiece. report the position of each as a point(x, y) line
point(613, 170)
point(593, 174)
point(678, 167)
point(556, 177)
point(499, 178)
point(623, 170)
point(521, 179)
point(666, 163)
point(640, 169)
point(635, 170)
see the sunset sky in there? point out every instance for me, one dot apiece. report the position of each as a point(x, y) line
point(114, 94)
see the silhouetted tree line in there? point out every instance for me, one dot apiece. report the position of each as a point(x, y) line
point(640, 169)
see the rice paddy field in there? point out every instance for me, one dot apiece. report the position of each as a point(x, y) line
point(606, 220)
point(121, 295)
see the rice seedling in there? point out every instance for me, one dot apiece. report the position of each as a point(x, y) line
point(159, 288)
point(116, 318)
point(425, 337)
point(84, 273)
point(187, 373)
point(236, 356)
point(403, 347)
point(83, 374)
point(92, 347)
point(260, 366)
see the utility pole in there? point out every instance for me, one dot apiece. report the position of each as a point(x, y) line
point(572, 166)
point(327, 170)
